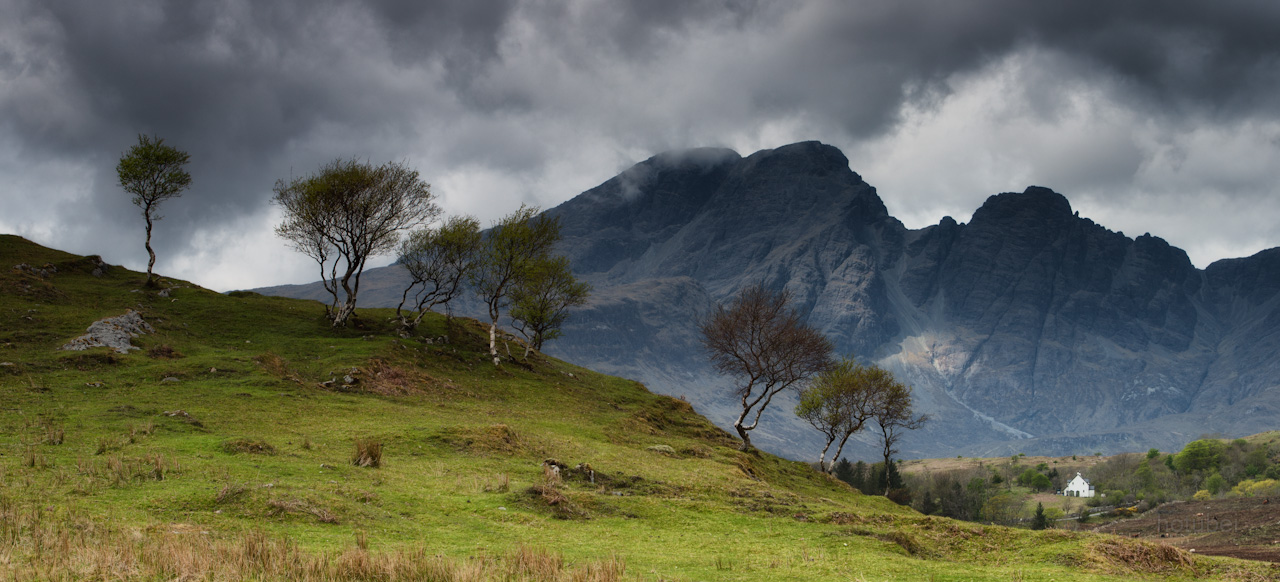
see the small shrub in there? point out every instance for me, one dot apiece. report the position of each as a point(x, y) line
point(368, 453)
point(54, 435)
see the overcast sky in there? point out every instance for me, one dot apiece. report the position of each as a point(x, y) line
point(1157, 116)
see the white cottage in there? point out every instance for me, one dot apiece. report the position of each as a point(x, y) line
point(1078, 487)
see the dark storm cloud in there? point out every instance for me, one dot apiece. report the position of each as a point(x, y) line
point(510, 93)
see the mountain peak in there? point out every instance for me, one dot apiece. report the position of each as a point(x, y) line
point(1041, 201)
point(810, 157)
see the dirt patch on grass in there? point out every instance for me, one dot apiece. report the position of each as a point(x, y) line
point(278, 507)
point(278, 367)
point(1141, 556)
point(90, 361)
point(1242, 527)
point(252, 447)
point(164, 352)
point(382, 378)
point(552, 498)
point(497, 439)
point(671, 416)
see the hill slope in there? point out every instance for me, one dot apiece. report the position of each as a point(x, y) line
point(1028, 329)
point(222, 448)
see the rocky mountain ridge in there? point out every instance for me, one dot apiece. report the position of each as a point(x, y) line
point(1027, 329)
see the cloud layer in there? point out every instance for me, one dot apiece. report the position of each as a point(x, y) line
point(1151, 116)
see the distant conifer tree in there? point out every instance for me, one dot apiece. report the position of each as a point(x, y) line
point(1039, 521)
point(844, 471)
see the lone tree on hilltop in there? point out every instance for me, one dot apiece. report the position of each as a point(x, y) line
point(840, 401)
point(347, 212)
point(894, 415)
point(541, 300)
point(761, 342)
point(513, 246)
point(438, 261)
point(153, 172)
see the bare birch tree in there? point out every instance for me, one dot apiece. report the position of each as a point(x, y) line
point(346, 213)
point(761, 342)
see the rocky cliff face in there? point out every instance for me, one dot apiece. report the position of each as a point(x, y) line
point(1029, 329)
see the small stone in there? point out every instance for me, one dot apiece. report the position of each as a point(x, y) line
point(170, 379)
point(664, 449)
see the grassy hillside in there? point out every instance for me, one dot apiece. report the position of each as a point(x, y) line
point(223, 449)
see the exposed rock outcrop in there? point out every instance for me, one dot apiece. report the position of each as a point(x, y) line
point(116, 333)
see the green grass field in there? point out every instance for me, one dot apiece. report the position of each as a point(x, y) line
point(223, 449)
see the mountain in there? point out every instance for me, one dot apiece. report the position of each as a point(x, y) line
point(1028, 329)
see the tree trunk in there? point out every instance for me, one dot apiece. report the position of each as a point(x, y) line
point(493, 343)
point(742, 431)
point(822, 459)
point(839, 450)
point(150, 253)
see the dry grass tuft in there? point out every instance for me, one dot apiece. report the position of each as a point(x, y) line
point(40, 545)
point(1141, 556)
point(278, 367)
point(229, 492)
point(368, 453)
point(249, 446)
point(164, 352)
point(279, 507)
point(493, 439)
point(54, 435)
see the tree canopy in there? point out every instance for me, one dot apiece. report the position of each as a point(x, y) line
point(513, 246)
point(760, 341)
point(840, 401)
point(347, 212)
point(438, 261)
point(153, 172)
point(541, 300)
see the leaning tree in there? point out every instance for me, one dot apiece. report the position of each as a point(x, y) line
point(512, 247)
point(541, 300)
point(765, 346)
point(346, 213)
point(153, 172)
point(438, 261)
point(840, 401)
